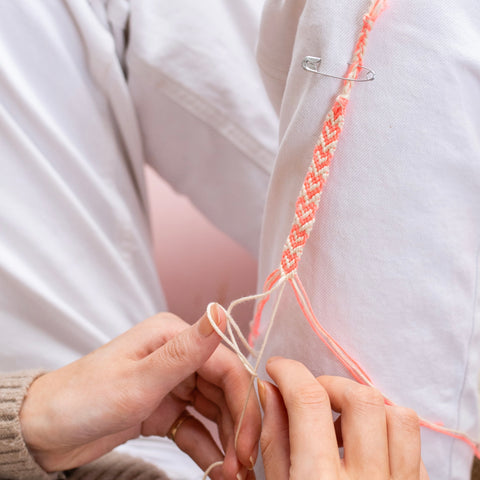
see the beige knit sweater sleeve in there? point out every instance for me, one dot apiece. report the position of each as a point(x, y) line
point(16, 463)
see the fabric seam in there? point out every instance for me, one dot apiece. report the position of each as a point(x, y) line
point(209, 114)
point(467, 362)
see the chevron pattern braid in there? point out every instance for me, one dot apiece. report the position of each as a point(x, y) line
point(309, 197)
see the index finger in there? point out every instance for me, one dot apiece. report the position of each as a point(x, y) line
point(313, 443)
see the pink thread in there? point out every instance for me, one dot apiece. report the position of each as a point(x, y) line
point(271, 280)
point(305, 210)
point(346, 360)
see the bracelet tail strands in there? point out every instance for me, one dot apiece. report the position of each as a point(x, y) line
point(305, 210)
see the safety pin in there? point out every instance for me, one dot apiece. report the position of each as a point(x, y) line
point(312, 64)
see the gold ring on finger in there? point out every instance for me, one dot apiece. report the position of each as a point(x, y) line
point(177, 424)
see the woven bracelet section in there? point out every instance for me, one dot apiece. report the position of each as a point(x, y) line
point(309, 197)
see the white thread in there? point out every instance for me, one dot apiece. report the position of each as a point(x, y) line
point(259, 357)
point(304, 303)
point(234, 346)
point(210, 468)
point(231, 343)
point(230, 340)
point(244, 409)
point(296, 250)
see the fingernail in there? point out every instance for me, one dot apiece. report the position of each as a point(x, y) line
point(253, 458)
point(262, 393)
point(273, 359)
point(241, 475)
point(214, 313)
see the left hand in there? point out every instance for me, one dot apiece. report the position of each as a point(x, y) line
point(300, 440)
point(139, 384)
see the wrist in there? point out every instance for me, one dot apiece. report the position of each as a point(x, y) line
point(17, 462)
point(33, 420)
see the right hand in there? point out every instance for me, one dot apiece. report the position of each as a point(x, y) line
point(139, 384)
point(300, 440)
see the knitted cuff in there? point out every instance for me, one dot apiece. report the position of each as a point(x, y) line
point(16, 463)
point(117, 466)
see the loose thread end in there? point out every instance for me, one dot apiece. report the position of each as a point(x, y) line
point(210, 468)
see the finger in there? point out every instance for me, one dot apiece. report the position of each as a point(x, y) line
point(364, 426)
point(149, 335)
point(224, 420)
point(161, 419)
point(225, 371)
point(182, 355)
point(185, 389)
point(423, 472)
point(226, 428)
point(274, 442)
point(404, 443)
point(195, 440)
point(206, 407)
point(313, 445)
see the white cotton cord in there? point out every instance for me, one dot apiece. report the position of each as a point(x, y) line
point(232, 324)
point(210, 468)
point(280, 284)
point(230, 332)
point(244, 409)
point(306, 307)
point(259, 358)
point(305, 211)
point(257, 296)
point(227, 340)
point(231, 342)
point(249, 298)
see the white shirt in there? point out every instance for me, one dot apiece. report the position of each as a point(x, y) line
point(76, 265)
point(392, 264)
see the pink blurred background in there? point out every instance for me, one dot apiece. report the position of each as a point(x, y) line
point(197, 263)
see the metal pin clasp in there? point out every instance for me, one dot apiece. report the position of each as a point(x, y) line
point(312, 64)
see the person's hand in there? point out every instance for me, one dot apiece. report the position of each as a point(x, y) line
point(139, 384)
point(300, 440)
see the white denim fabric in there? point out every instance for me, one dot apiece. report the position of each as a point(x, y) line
point(81, 111)
point(392, 264)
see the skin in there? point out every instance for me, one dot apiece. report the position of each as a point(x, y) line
point(142, 381)
point(300, 440)
point(139, 384)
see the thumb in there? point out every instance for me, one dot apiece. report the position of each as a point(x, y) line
point(186, 352)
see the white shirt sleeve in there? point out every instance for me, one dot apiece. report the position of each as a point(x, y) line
point(207, 125)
